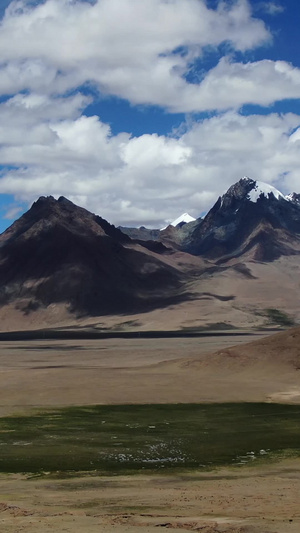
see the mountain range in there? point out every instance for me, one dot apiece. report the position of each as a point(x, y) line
point(60, 263)
point(251, 217)
point(252, 220)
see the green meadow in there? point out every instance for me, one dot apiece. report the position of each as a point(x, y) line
point(131, 438)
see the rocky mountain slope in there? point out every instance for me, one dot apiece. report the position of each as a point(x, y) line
point(60, 264)
point(251, 220)
point(58, 252)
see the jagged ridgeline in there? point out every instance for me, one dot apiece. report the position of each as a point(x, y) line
point(251, 218)
point(58, 252)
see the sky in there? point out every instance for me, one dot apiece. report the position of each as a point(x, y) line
point(140, 110)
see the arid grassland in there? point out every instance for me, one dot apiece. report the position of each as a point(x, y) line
point(126, 435)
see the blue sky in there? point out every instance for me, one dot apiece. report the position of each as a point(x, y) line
point(140, 110)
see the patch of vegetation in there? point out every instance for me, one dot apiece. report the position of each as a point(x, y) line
point(125, 325)
point(281, 318)
point(216, 326)
point(131, 438)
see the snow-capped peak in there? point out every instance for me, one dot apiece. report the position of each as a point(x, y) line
point(265, 189)
point(185, 218)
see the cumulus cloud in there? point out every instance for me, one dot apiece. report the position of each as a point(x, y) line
point(55, 52)
point(140, 50)
point(149, 179)
point(232, 84)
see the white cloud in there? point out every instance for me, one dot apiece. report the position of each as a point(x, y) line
point(271, 8)
point(24, 119)
point(126, 48)
point(140, 50)
point(145, 180)
point(12, 212)
point(230, 85)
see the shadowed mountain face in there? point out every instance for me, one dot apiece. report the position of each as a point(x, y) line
point(246, 222)
point(58, 252)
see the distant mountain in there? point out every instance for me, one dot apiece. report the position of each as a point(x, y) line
point(185, 218)
point(58, 252)
point(252, 219)
point(141, 233)
point(145, 234)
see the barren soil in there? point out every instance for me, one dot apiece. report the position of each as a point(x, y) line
point(247, 500)
point(175, 370)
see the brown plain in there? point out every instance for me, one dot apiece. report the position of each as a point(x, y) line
point(40, 374)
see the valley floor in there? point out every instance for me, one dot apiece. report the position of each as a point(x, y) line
point(256, 499)
point(119, 371)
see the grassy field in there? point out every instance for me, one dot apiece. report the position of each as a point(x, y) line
point(122, 439)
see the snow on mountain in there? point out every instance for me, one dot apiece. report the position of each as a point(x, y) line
point(290, 197)
point(293, 197)
point(185, 218)
point(245, 188)
point(261, 188)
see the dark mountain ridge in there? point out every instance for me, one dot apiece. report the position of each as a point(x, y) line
point(267, 224)
point(59, 252)
point(251, 218)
